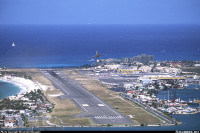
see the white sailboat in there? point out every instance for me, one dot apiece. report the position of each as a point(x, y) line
point(13, 44)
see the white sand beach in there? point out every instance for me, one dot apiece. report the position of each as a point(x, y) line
point(25, 85)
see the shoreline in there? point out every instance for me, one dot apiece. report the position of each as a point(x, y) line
point(24, 85)
point(21, 87)
point(24, 89)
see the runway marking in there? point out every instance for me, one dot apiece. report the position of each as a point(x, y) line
point(92, 95)
point(85, 105)
point(79, 104)
point(97, 98)
point(108, 117)
point(100, 105)
point(71, 81)
point(57, 84)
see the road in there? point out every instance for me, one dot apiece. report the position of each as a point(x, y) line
point(20, 121)
point(92, 106)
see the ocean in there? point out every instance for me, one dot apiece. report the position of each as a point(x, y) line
point(75, 45)
point(190, 122)
point(185, 94)
point(8, 89)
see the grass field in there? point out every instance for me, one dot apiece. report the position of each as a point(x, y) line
point(112, 98)
point(64, 109)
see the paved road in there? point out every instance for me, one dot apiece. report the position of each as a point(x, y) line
point(20, 121)
point(92, 106)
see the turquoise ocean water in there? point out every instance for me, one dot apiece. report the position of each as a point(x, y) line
point(8, 89)
point(189, 122)
point(74, 45)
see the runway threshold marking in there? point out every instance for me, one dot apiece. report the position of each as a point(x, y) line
point(58, 84)
point(97, 98)
point(79, 104)
point(91, 95)
point(85, 105)
point(100, 104)
point(107, 117)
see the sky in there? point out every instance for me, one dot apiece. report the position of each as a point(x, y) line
point(99, 11)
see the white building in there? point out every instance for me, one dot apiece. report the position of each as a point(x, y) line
point(168, 70)
point(197, 65)
point(21, 111)
point(144, 98)
point(9, 123)
point(113, 67)
point(145, 68)
point(128, 86)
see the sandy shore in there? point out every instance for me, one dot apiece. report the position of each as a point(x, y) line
point(25, 85)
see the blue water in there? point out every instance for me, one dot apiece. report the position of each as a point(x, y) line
point(189, 122)
point(74, 45)
point(8, 89)
point(183, 94)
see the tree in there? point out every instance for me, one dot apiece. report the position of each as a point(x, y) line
point(137, 87)
point(109, 125)
point(165, 87)
point(157, 85)
point(154, 105)
point(171, 81)
point(117, 62)
point(49, 110)
point(142, 124)
point(39, 91)
point(139, 66)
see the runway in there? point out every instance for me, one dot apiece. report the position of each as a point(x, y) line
point(92, 106)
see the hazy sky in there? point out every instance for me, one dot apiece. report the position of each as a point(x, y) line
point(99, 11)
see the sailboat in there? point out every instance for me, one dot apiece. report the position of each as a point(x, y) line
point(13, 44)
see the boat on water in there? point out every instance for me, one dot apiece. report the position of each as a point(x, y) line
point(13, 44)
point(173, 104)
point(185, 85)
point(190, 101)
point(196, 101)
point(187, 111)
point(180, 87)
